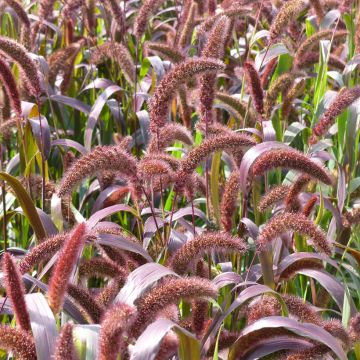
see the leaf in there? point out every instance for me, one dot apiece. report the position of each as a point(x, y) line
point(86, 338)
point(41, 134)
point(99, 215)
point(140, 280)
point(43, 325)
point(226, 278)
point(310, 331)
point(70, 143)
point(26, 204)
point(124, 244)
point(148, 344)
point(72, 102)
point(272, 52)
point(95, 113)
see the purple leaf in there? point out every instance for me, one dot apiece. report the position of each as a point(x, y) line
point(70, 143)
point(95, 113)
point(227, 278)
point(41, 134)
point(148, 344)
point(72, 102)
point(124, 244)
point(310, 331)
point(99, 215)
point(43, 325)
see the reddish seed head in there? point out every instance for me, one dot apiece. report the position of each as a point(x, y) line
point(64, 266)
point(16, 292)
point(65, 346)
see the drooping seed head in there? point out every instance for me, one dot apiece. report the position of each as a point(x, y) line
point(166, 51)
point(170, 291)
point(101, 158)
point(20, 55)
point(171, 82)
point(273, 196)
point(290, 159)
point(354, 328)
point(297, 222)
point(343, 100)
point(291, 200)
point(193, 250)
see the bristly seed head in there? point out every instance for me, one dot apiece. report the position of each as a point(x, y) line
point(65, 344)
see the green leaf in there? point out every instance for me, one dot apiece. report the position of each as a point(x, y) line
point(26, 204)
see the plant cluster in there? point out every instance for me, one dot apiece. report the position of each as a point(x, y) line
point(179, 179)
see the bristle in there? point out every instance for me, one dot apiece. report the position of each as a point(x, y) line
point(281, 85)
point(117, 320)
point(253, 79)
point(293, 222)
point(296, 90)
point(101, 158)
point(336, 329)
point(147, 9)
point(312, 57)
point(273, 196)
point(168, 135)
point(64, 266)
point(290, 159)
point(344, 99)
point(16, 292)
point(65, 348)
point(171, 82)
point(193, 250)
point(109, 292)
point(18, 341)
point(188, 28)
point(116, 13)
point(214, 48)
point(10, 86)
point(20, 55)
point(268, 72)
point(166, 293)
point(83, 297)
point(229, 200)
point(169, 346)
point(207, 147)
point(288, 12)
point(234, 103)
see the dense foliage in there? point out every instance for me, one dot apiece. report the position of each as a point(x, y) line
point(180, 179)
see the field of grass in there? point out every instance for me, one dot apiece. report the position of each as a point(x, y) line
point(179, 179)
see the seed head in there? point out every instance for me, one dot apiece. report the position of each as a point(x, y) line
point(293, 222)
point(288, 12)
point(117, 320)
point(64, 266)
point(312, 57)
point(188, 27)
point(166, 51)
point(229, 200)
point(193, 250)
point(169, 292)
point(83, 297)
point(190, 162)
point(171, 82)
point(344, 99)
point(290, 159)
point(253, 79)
point(354, 328)
point(273, 196)
point(42, 252)
point(65, 344)
point(16, 292)
point(119, 54)
point(20, 55)
point(20, 342)
point(100, 159)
